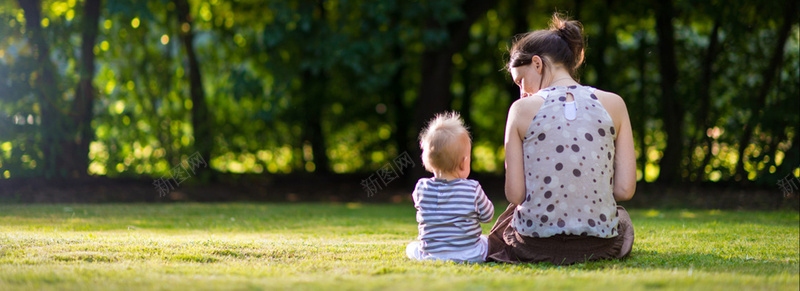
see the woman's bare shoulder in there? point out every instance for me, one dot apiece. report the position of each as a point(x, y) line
point(613, 103)
point(527, 105)
point(610, 97)
point(522, 112)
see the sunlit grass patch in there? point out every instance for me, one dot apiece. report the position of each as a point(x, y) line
point(361, 246)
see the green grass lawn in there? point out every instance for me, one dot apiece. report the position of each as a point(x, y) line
point(361, 246)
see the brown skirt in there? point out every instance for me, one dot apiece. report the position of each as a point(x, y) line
point(506, 245)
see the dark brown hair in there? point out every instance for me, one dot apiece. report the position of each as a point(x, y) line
point(562, 43)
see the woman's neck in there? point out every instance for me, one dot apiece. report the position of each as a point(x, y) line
point(561, 78)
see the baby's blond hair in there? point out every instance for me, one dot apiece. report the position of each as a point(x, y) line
point(440, 144)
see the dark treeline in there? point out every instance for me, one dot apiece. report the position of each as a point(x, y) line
point(133, 88)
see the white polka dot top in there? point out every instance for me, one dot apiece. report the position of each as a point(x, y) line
point(569, 167)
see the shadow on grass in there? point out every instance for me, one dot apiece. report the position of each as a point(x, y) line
point(710, 263)
point(689, 262)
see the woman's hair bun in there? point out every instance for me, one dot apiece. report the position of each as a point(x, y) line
point(571, 32)
point(563, 43)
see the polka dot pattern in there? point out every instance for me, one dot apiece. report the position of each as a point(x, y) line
point(569, 168)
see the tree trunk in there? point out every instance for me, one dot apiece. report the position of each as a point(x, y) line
point(401, 118)
point(83, 106)
point(598, 50)
point(434, 90)
point(520, 26)
point(703, 121)
point(641, 122)
point(769, 75)
point(318, 147)
point(53, 129)
point(434, 95)
point(315, 84)
point(313, 134)
point(201, 118)
point(671, 105)
point(316, 133)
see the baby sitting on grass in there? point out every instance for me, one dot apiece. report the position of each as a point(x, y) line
point(449, 206)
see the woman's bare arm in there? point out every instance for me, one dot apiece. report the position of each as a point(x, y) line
point(625, 154)
point(519, 118)
point(515, 177)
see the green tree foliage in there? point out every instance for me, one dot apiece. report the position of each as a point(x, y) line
point(344, 85)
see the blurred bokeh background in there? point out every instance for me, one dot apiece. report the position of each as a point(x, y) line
point(130, 89)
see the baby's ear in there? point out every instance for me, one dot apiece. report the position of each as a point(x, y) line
point(464, 163)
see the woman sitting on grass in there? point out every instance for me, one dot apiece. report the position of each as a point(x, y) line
point(569, 157)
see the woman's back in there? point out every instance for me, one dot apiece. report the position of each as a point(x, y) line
point(569, 167)
point(569, 158)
